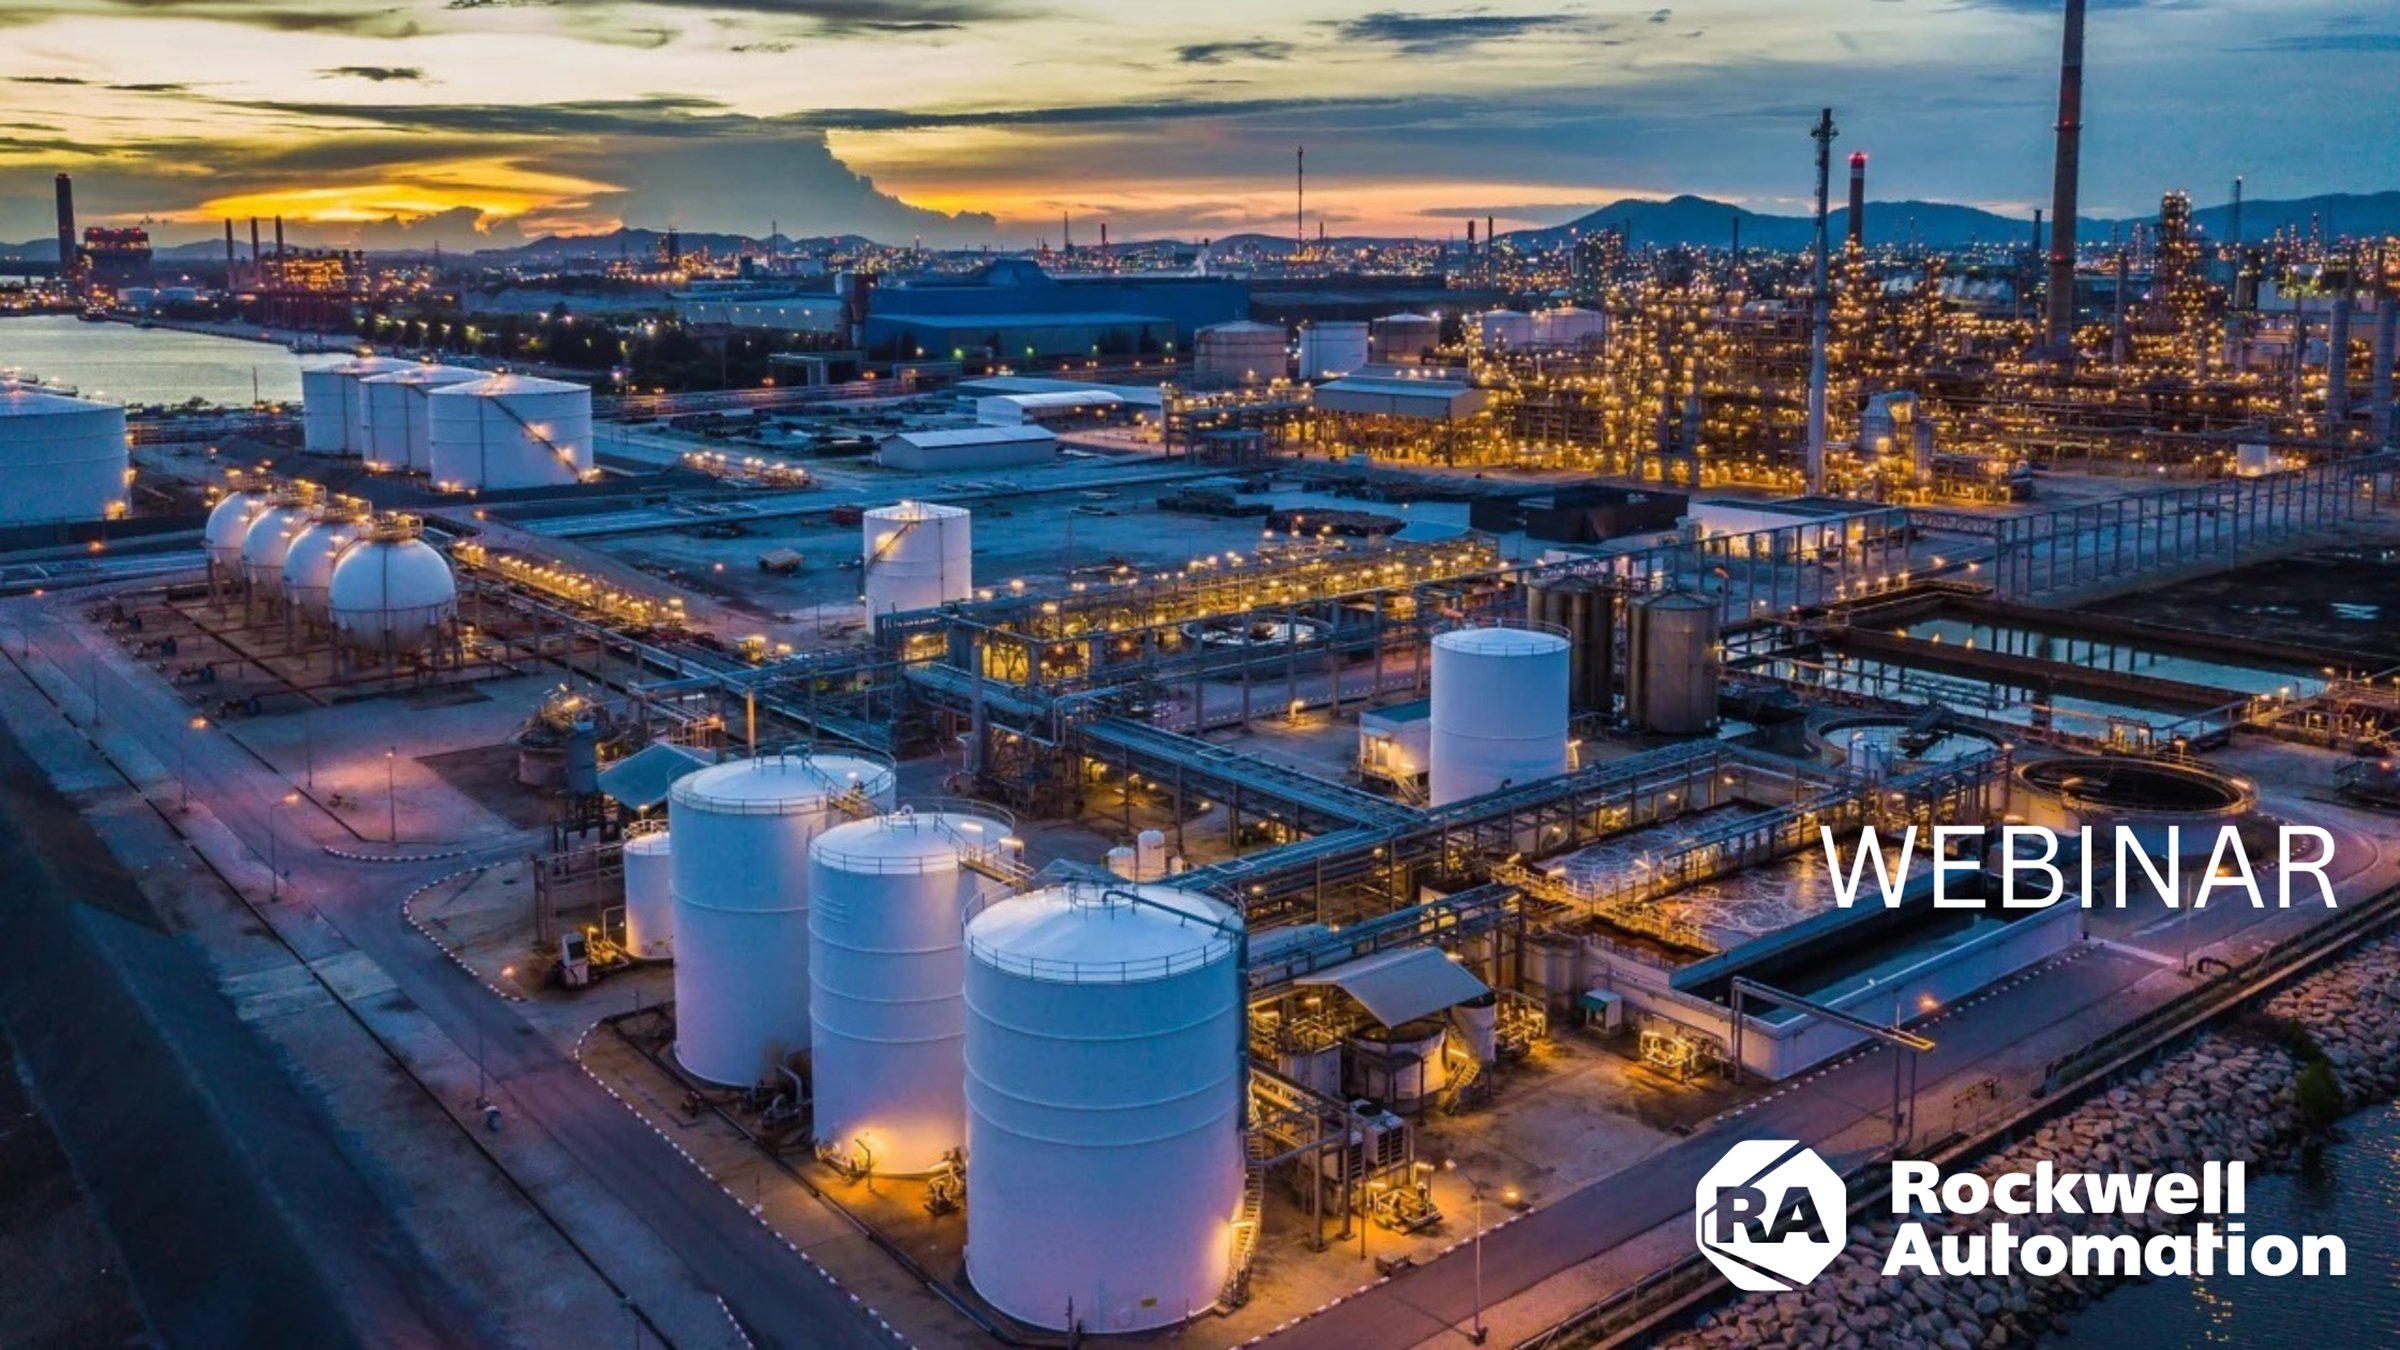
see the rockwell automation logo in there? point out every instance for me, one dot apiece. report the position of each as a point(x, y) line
point(1771, 1215)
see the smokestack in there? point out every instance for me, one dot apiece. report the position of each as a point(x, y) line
point(1737, 241)
point(229, 251)
point(1858, 199)
point(2061, 325)
point(70, 259)
point(279, 238)
point(1299, 197)
point(2234, 227)
point(1490, 236)
point(254, 244)
point(1470, 236)
point(1820, 320)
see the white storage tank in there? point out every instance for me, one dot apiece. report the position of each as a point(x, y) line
point(649, 897)
point(739, 877)
point(1567, 326)
point(1403, 339)
point(1329, 351)
point(398, 431)
point(228, 524)
point(887, 914)
point(1104, 1094)
point(332, 413)
point(308, 563)
point(269, 539)
point(391, 593)
point(1504, 328)
point(508, 431)
point(1499, 711)
point(918, 555)
point(1240, 352)
point(61, 458)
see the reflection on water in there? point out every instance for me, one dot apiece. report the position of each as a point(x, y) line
point(124, 364)
point(2352, 1190)
point(2124, 658)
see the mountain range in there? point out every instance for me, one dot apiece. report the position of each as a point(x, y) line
point(1685, 220)
point(1700, 221)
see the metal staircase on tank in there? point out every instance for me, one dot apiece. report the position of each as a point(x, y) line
point(1257, 1148)
point(1457, 1094)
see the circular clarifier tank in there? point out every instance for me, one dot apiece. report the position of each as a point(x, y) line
point(2147, 796)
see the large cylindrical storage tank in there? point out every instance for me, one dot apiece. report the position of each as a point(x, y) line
point(269, 539)
point(649, 897)
point(918, 555)
point(399, 434)
point(61, 458)
point(887, 914)
point(1671, 664)
point(508, 431)
point(390, 590)
point(1403, 339)
point(308, 563)
point(1499, 715)
point(1104, 1030)
point(1240, 352)
point(333, 414)
point(1567, 326)
point(739, 876)
point(1510, 328)
point(1331, 350)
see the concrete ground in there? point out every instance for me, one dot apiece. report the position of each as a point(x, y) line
point(67, 1285)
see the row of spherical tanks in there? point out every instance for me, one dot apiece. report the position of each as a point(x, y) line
point(369, 580)
point(1076, 1046)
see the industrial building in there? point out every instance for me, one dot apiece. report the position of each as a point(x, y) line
point(1014, 309)
point(994, 445)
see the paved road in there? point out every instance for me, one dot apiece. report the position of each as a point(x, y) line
point(776, 1298)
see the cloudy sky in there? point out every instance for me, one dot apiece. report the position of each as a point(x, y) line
point(983, 120)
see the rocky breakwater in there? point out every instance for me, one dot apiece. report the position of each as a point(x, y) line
point(2257, 1091)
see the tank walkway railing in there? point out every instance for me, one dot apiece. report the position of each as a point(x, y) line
point(1460, 914)
point(1625, 906)
point(1164, 753)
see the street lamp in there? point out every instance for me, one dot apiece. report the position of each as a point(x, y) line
point(275, 845)
point(1477, 1188)
point(391, 799)
point(183, 760)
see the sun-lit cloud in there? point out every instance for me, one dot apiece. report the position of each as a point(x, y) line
point(980, 120)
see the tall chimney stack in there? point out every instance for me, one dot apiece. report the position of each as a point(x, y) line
point(1490, 236)
point(279, 237)
point(2061, 318)
point(1470, 236)
point(2234, 228)
point(229, 252)
point(1820, 317)
point(1858, 199)
point(1299, 197)
point(70, 259)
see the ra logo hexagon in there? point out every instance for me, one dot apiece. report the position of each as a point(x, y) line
point(1771, 1215)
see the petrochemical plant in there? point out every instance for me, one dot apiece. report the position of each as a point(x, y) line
point(1202, 830)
